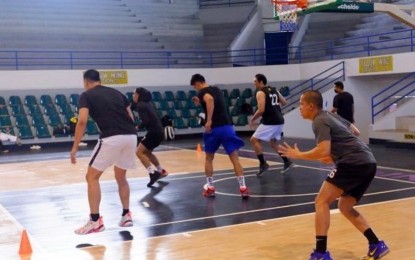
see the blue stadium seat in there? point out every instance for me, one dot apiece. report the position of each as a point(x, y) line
point(61, 100)
point(55, 120)
point(4, 111)
point(46, 100)
point(2, 101)
point(181, 95)
point(38, 120)
point(169, 95)
point(194, 122)
point(21, 120)
point(185, 113)
point(18, 110)
point(15, 101)
point(74, 99)
point(25, 132)
point(178, 123)
point(157, 96)
point(34, 110)
point(42, 131)
point(50, 110)
point(30, 100)
point(5, 121)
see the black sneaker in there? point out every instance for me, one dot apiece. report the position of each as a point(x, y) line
point(262, 168)
point(287, 167)
point(153, 178)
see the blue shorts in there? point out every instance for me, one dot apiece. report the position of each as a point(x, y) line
point(222, 135)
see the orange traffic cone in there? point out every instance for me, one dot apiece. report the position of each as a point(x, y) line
point(25, 247)
point(199, 148)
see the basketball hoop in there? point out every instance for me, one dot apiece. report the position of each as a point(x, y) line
point(286, 12)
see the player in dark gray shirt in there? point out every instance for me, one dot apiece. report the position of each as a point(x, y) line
point(355, 168)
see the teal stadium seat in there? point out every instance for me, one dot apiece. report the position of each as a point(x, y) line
point(185, 113)
point(247, 93)
point(242, 120)
point(5, 121)
point(50, 110)
point(30, 100)
point(235, 93)
point(172, 113)
point(25, 132)
point(74, 99)
point(225, 93)
point(253, 102)
point(234, 111)
point(42, 131)
point(91, 128)
point(21, 120)
point(178, 123)
point(46, 100)
point(129, 96)
point(164, 105)
point(169, 95)
point(178, 105)
point(34, 110)
point(194, 122)
point(2, 101)
point(4, 111)
point(157, 96)
point(18, 110)
point(61, 100)
point(66, 110)
point(192, 93)
point(15, 101)
point(38, 120)
point(181, 95)
point(239, 101)
point(189, 104)
point(54, 120)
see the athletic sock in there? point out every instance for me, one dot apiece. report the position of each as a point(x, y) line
point(261, 158)
point(321, 244)
point(285, 159)
point(241, 180)
point(150, 170)
point(371, 237)
point(94, 217)
point(159, 168)
point(209, 181)
point(125, 212)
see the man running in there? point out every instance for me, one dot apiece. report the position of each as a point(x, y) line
point(218, 131)
point(116, 146)
point(355, 168)
point(155, 134)
point(269, 102)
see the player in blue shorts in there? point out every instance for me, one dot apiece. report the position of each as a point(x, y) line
point(218, 131)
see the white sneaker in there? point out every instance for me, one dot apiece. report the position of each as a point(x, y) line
point(126, 221)
point(91, 227)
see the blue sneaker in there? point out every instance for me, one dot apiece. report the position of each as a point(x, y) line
point(319, 256)
point(377, 251)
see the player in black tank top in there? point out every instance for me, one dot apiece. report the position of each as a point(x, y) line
point(269, 102)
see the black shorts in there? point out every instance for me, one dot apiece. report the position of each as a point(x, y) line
point(152, 140)
point(352, 179)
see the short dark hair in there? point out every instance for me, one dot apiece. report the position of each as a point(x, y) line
point(314, 97)
point(92, 75)
point(261, 78)
point(339, 84)
point(197, 78)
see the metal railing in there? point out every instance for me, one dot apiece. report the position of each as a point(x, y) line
point(219, 3)
point(393, 95)
point(321, 82)
point(385, 43)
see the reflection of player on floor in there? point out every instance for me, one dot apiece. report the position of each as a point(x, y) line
point(355, 169)
point(269, 102)
point(116, 146)
point(218, 131)
point(155, 134)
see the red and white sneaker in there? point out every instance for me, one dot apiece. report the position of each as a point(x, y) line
point(208, 191)
point(126, 220)
point(91, 227)
point(163, 174)
point(244, 192)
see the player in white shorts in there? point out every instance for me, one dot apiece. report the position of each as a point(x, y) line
point(269, 102)
point(116, 146)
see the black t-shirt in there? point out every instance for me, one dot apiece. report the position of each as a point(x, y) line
point(344, 104)
point(220, 115)
point(272, 114)
point(108, 107)
point(149, 118)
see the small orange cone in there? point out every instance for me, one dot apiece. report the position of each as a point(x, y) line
point(199, 148)
point(25, 247)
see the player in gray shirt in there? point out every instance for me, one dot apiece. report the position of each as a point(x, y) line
point(355, 168)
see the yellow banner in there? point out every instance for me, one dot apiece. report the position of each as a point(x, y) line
point(376, 64)
point(409, 136)
point(114, 77)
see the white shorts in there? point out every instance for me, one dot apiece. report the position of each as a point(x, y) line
point(268, 132)
point(7, 137)
point(118, 150)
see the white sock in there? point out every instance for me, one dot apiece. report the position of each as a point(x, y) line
point(159, 168)
point(150, 170)
point(241, 180)
point(209, 181)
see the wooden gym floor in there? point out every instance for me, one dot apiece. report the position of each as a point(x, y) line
point(46, 195)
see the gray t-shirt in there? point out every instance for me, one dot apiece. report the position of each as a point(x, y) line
point(346, 148)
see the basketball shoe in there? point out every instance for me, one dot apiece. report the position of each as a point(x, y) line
point(244, 192)
point(126, 220)
point(163, 174)
point(91, 227)
point(319, 256)
point(287, 167)
point(377, 251)
point(208, 191)
point(153, 178)
point(262, 168)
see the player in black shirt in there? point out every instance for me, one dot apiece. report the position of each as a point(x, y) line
point(218, 131)
point(152, 123)
point(116, 146)
point(269, 102)
point(343, 103)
